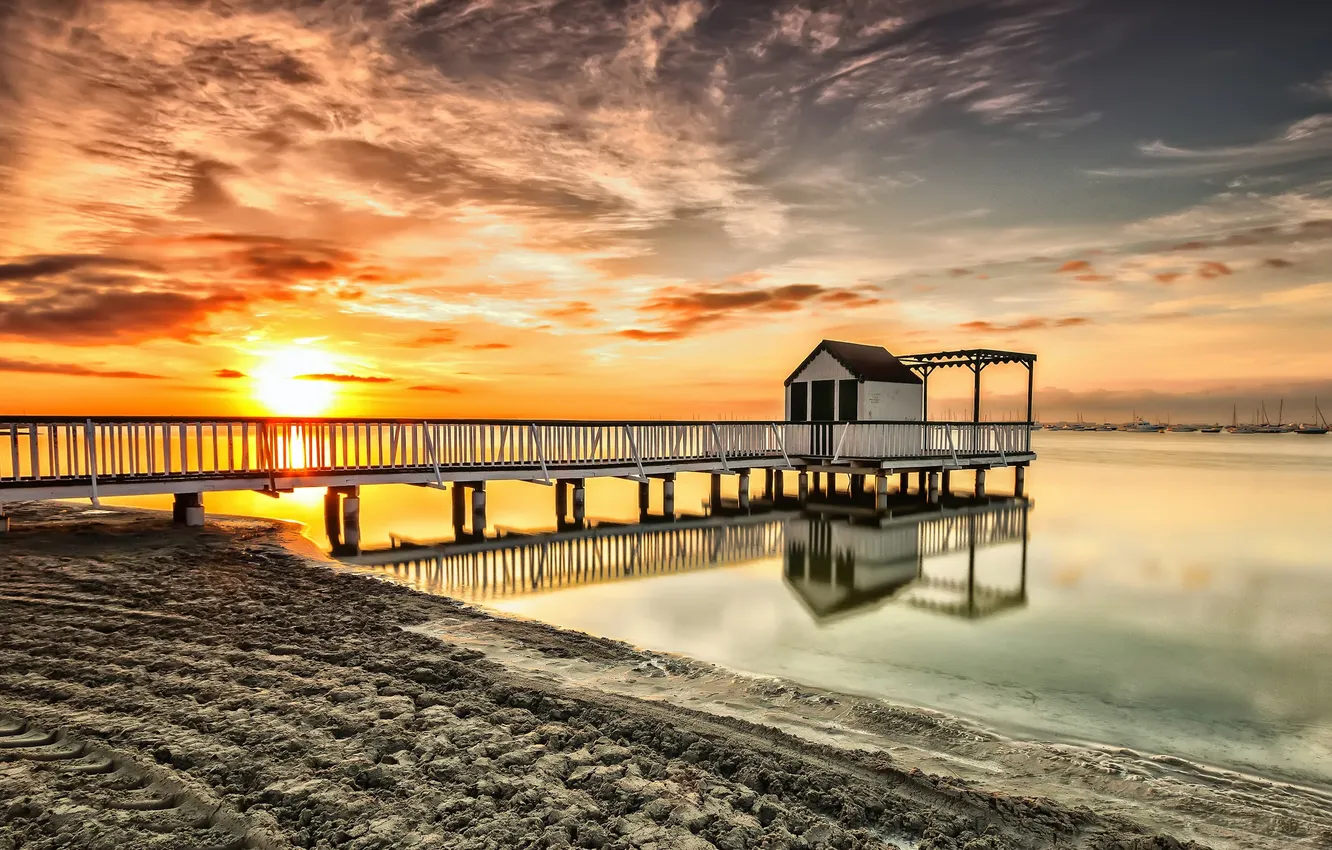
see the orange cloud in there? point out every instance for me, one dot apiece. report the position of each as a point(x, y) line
point(39, 368)
point(1211, 269)
point(685, 312)
point(490, 346)
point(1168, 277)
point(1031, 324)
point(435, 388)
point(1075, 266)
point(1277, 263)
point(1189, 246)
point(335, 378)
point(1093, 278)
point(228, 373)
point(959, 272)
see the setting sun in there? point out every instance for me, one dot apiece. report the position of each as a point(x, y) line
point(287, 382)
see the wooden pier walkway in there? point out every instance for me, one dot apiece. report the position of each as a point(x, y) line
point(91, 458)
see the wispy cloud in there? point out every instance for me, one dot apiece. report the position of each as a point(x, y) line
point(43, 368)
point(1300, 141)
point(337, 378)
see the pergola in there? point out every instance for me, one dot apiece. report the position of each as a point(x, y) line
point(975, 359)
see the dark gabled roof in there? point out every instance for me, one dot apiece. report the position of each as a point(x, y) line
point(865, 362)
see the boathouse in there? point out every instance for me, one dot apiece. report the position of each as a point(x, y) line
point(850, 382)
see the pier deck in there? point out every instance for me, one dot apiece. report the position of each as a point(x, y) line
point(73, 457)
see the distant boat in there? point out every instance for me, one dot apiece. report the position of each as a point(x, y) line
point(1108, 428)
point(1182, 428)
point(1142, 426)
point(1319, 425)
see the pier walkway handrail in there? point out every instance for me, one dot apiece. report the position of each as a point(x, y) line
point(122, 455)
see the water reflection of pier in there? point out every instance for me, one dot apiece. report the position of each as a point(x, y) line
point(517, 563)
point(834, 562)
point(837, 566)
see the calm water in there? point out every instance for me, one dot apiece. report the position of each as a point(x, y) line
point(1175, 595)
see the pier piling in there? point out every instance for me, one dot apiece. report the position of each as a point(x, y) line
point(1019, 480)
point(803, 492)
point(934, 487)
point(947, 488)
point(880, 492)
point(579, 500)
point(459, 509)
point(903, 482)
point(478, 507)
point(644, 497)
point(980, 482)
point(351, 519)
point(714, 492)
point(668, 496)
point(744, 489)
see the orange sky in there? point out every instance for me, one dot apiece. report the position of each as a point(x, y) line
point(633, 213)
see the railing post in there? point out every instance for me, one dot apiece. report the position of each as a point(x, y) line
point(90, 449)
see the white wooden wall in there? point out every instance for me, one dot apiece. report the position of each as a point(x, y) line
point(879, 401)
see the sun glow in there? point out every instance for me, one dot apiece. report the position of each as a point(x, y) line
point(279, 387)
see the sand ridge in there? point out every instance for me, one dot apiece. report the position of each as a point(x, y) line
point(174, 688)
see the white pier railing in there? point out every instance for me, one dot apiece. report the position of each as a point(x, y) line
point(43, 457)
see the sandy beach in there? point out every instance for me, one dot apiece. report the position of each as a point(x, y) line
point(174, 688)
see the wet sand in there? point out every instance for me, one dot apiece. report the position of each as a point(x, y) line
point(176, 688)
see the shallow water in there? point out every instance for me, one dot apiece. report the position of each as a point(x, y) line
point(1175, 595)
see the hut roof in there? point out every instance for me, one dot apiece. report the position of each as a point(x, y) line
point(865, 362)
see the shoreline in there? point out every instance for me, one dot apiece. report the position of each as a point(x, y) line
point(252, 678)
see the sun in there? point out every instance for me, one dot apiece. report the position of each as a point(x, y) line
point(281, 389)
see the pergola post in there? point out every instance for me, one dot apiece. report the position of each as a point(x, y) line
point(976, 368)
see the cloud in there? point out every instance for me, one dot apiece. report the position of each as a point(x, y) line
point(435, 388)
point(959, 272)
point(1189, 246)
point(1304, 140)
point(1093, 278)
point(684, 312)
point(1074, 266)
point(490, 346)
point(46, 266)
point(435, 337)
point(573, 314)
point(335, 378)
point(1277, 263)
point(1167, 277)
point(1320, 89)
point(1031, 324)
point(229, 373)
point(90, 318)
point(1212, 269)
point(41, 368)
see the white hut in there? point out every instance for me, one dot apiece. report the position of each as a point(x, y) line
point(849, 382)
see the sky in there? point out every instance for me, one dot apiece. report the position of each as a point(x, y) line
point(561, 208)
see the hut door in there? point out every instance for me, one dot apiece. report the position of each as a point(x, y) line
point(822, 408)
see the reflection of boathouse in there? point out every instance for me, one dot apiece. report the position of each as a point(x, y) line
point(835, 567)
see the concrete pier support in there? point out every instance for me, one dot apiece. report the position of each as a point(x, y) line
point(980, 482)
point(947, 482)
point(579, 500)
point(778, 487)
point(644, 497)
point(768, 483)
point(744, 489)
point(714, 491)
point(332, 518)
point(478, 507)
point(921, 482)
point(857, 485)
point(934, 487)
point(880, 492)
point(561, 500)
point(903, 482)
point(803, 481)
point(1019, 480)
point(818, 483)
point(459, 494)
point(351, 519)
point(668, 496)
point(188, 510)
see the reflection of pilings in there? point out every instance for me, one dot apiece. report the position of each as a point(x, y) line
point(509, 566)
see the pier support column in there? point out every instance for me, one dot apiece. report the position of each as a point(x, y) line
point(947, 481)
point(479, 508)
point(1019, 480)
point(778, 485)
point(561, 501)
point(644, 496)
point(934, 487)
point(714, 492)
point(188, 509)
point(579, 501)
point(668, 496)
point(4, 520)
point(903, 482)
point(744, 489)
point(818, 483)
point(459, 508)
point(332, 519)
point(857, 487)
point(803, 492)
point(767, 484)
point(351, 519)
point(980, 482)
point(880, 492)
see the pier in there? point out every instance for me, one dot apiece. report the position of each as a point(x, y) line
point(70, 457)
